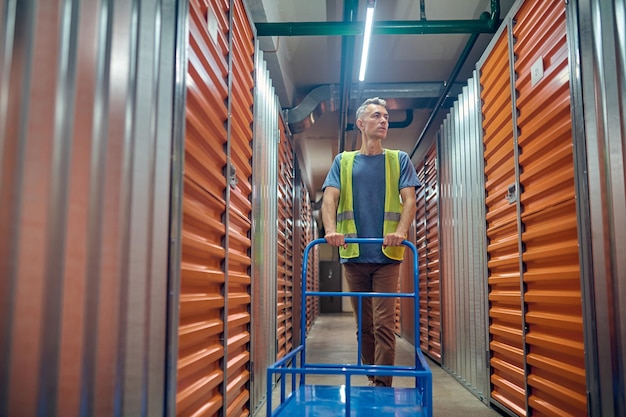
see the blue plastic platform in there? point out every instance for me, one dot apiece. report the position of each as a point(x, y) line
point(330, 401)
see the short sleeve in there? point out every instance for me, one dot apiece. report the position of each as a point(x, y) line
point(333, 178)
point(408, 176)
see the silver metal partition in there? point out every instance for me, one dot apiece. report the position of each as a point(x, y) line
point(87, 122)
point(464, 275)
point(597, 45)
point(264, 228)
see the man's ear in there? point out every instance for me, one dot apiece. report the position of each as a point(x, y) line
point(359, 123)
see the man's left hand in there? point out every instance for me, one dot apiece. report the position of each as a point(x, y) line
point(393, 239)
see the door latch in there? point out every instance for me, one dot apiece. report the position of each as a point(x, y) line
point(511, 194)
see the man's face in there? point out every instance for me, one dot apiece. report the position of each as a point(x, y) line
point(374, 122)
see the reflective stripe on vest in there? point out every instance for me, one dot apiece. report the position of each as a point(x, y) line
point(393, 205)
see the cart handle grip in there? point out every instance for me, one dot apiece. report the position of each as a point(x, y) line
point(367, 240)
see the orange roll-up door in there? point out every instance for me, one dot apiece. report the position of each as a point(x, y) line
point(553, 317)
point(240, 213)
point(427, 238)
point(505, 309)
point(420, 245)
point(431, 277)
point(214, 358)
point(201, 322)
point(285, 278)
point(307, 235)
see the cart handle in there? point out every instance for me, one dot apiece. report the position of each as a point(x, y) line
point(368, 240)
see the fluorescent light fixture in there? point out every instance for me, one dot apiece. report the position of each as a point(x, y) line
point(367, 35)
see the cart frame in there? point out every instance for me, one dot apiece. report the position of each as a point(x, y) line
point(295, 362)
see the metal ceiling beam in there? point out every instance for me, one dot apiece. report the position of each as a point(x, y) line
point(390, 27)
point(487, 23)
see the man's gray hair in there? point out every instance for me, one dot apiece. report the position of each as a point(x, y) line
point(375, 100)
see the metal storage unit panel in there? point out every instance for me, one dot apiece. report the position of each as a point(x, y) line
point(504, 287)
point(433, 273)
point(598, 58)
point(201, 325)
point(301, 236)
point(239, 217)
point(463, 271)
point(551, 276)
point(282, 273)
point(201, 345)
point(420, 245)
point(285, 244)
point(86, 132)
point(308, 234)
point(427, 231)
point(264, 210)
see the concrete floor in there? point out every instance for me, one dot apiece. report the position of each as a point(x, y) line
point(332, 339)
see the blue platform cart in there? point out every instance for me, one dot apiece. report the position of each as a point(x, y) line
point(299, 399)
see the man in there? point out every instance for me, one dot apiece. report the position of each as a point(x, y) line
point(371, 193)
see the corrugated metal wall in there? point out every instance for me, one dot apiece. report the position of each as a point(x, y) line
point(264, 285)
point(202, 300)
point(285, 245)
point(551, 275)
point(463, 276)
point(598, 56)
point(86, 128)
point(239, 219)
point(427, 243)
point(505, 296)
point(309, 233)
point(537, 353)
point(93, 114)
point(214, 333)
point(302, 233)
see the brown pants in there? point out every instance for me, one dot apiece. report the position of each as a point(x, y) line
point(378, 340)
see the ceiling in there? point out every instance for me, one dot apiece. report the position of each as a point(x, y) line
point(316, 74)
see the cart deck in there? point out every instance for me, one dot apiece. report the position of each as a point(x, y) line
point(297, 398)
point(329, 401)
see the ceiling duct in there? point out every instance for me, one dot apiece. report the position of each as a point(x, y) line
point(399, 96)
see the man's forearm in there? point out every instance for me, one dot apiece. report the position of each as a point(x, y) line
point(329, 217)
point(409, 209)
point(406, 218)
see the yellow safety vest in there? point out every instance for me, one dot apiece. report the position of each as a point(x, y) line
point(393, 204)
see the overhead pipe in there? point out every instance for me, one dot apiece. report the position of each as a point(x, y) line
point(399, 96)
point(400, 124)
point(389, 27)
point(494, 17)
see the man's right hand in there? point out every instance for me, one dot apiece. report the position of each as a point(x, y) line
point(336, 239)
